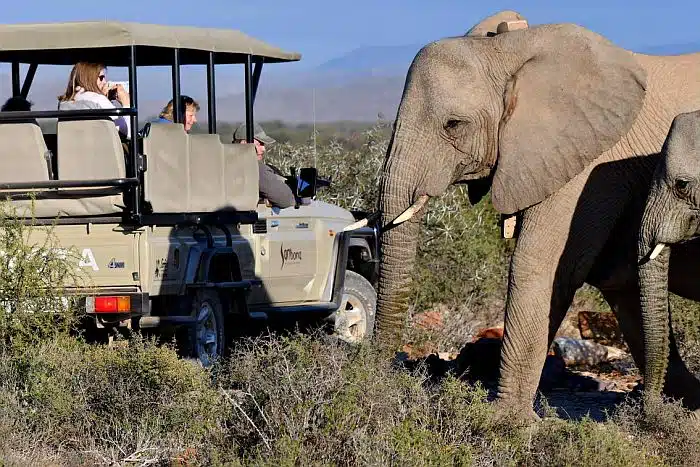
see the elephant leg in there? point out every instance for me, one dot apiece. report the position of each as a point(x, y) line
point(680, 382)
point(559, 243)
point(541, 289)
point(527, 335)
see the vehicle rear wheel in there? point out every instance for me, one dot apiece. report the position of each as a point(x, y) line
point(207, 337)
point(354, 320)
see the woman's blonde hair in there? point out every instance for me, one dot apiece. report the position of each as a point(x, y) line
point(84, 75)
point(185, 103)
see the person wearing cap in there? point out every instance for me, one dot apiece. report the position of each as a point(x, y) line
point(273, 187)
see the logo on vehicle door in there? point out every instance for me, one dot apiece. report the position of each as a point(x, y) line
point(289, 256)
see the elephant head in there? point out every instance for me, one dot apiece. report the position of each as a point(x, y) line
point(671, 215)
point(519, 113)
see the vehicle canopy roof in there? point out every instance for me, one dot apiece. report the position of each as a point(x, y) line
point(109, 42)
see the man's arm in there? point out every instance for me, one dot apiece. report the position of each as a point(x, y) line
point(273, 188)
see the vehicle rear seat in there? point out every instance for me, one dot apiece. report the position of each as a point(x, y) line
point(87, 150)
point(166, 179)
point(23, 153)
point(206, 173)
point(90, 150)
point(23, 158)
point(197, 173)
point(241, 176)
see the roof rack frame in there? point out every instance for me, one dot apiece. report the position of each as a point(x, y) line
point(133, 183)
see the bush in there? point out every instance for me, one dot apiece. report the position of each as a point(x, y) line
point(84, 403)
point(309, 400)
point(286, 400)
point(35, 276)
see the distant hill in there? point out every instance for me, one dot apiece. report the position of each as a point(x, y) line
point(358, 86)
point(671, 49)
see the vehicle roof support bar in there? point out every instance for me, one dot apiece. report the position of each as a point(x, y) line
point(256, 76)
point(211, 94)
point(248, 98)
point(133, 147)
point(28, 80)
point(15, 79)
point(177, 111)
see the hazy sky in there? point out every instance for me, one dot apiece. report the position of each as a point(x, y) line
point(323, 29)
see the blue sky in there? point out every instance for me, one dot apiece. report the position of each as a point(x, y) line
point(324, 29)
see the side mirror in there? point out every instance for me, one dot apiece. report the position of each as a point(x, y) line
point(306, 186)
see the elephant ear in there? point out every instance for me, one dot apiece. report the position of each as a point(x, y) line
point(574, 96)
point(488, 27)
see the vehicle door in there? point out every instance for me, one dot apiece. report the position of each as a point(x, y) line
point(288, 255)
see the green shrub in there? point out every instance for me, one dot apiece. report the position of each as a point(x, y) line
point(95, 403)
point(36, 273)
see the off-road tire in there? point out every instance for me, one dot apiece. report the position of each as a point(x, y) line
point(206, 340)
point(354, 321)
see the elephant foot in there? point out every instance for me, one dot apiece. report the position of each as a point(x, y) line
point(509, 412)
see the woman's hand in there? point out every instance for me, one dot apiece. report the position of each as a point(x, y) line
point(122, 95)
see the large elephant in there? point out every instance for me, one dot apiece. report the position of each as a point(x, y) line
point(671, 217)
point(564, 128)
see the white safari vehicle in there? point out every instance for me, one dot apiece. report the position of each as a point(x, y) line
point(169, 225)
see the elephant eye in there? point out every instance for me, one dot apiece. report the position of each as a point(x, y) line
point(682, 185)
point(452, 124)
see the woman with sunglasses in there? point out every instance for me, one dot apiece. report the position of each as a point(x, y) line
point(88, 89)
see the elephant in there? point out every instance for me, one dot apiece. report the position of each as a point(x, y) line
point(671, 217)
point(564, 129)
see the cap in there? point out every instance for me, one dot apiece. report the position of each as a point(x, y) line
point(258, 133)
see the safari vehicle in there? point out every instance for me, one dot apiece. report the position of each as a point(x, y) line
point(169, 225)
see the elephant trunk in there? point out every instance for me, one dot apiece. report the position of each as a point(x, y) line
point(653, 258)
point(398, 192)
point(653, 283)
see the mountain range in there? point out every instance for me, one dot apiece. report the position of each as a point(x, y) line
point(359, 86)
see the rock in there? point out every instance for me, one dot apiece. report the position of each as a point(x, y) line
point(580, 352)
point(601, 327)
point(616, 354)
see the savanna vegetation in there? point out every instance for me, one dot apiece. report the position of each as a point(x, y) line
point(299, 398)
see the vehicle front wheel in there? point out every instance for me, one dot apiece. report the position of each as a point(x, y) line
point(354, 320)
point(207, 337)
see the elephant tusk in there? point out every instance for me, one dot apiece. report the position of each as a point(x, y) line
point(356, 225)
point(411, 211)
point(656, 251)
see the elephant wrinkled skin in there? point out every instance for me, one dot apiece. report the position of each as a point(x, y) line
point(564, 128)
point(671, 217)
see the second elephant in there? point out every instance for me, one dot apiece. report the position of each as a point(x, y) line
point(671, 217)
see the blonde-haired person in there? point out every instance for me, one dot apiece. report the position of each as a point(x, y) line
point(190, 106)
point(88, 89)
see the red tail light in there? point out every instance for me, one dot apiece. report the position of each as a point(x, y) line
point(112, 304)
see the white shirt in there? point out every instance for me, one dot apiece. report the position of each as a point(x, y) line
point(101, 101)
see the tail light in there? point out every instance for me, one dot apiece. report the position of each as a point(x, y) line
point(119, 304)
